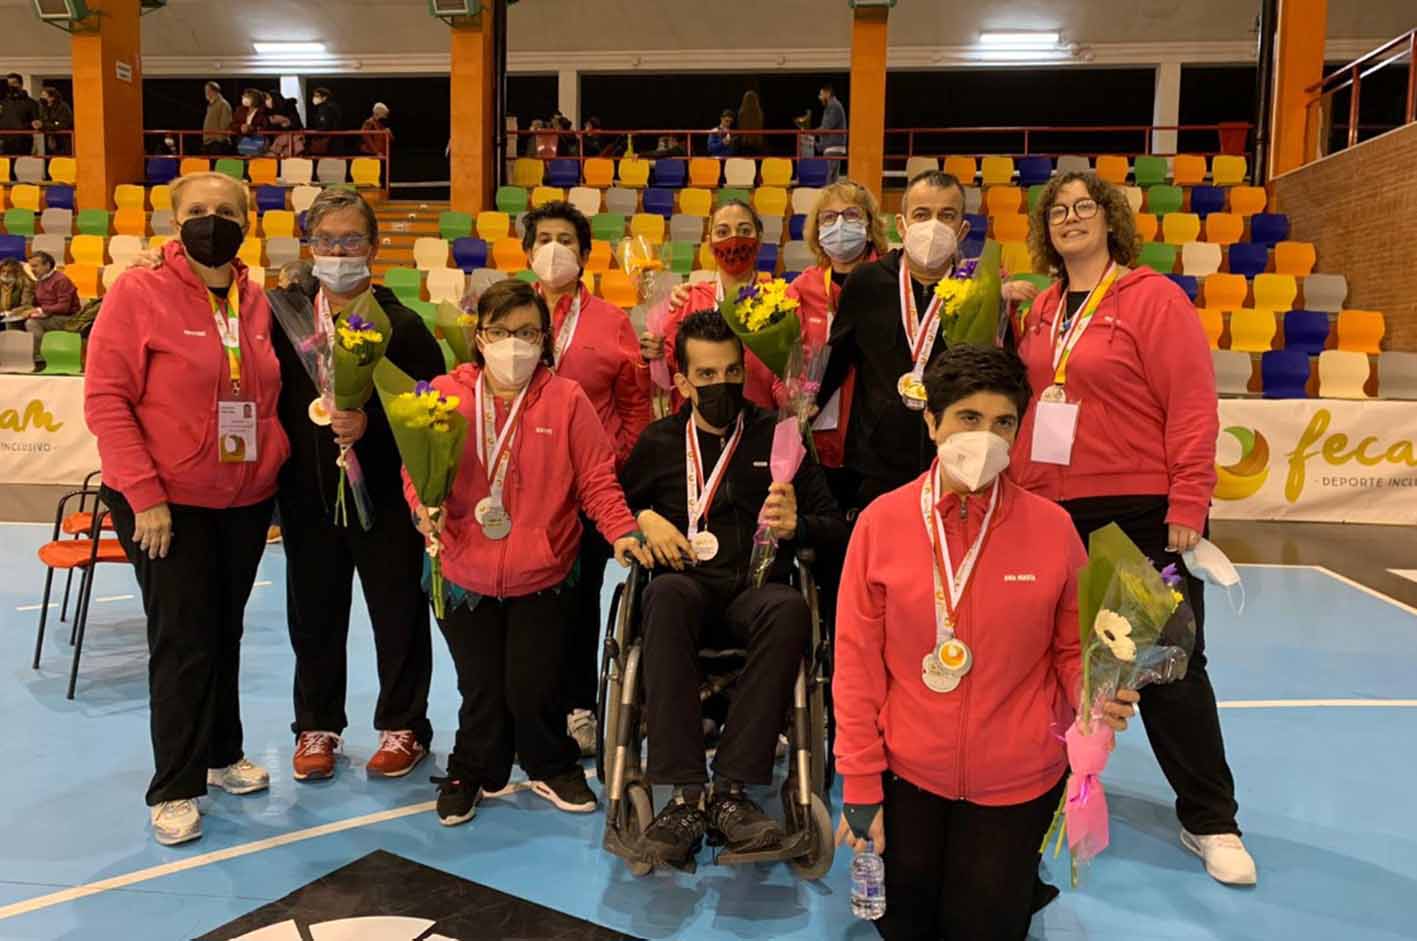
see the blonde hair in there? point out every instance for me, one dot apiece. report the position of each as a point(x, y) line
point(852, 193)
point(243, 198)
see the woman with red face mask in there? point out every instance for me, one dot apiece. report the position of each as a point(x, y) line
point(735, 235)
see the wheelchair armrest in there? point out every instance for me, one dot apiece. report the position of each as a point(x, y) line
point(806, 555)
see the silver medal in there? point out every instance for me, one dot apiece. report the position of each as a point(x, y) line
point(934, 676)
point(705, 546)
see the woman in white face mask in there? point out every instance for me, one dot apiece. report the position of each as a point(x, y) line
point(957, 641)
point(536, 458)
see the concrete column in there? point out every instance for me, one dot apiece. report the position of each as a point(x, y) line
point(474, 112)
point(1166, 111)
point(108, 111)
point(568, 95)
point(293, 86)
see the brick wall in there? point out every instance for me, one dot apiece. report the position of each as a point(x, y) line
point(1359, 208)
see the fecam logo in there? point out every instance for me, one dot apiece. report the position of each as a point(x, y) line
point(35, 415)
point(1247, 475)
point(1336, 451)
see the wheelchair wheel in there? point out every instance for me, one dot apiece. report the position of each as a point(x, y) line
point(639, 812)
point(817, 861)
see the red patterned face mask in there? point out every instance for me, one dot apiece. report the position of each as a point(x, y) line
point(736, 255)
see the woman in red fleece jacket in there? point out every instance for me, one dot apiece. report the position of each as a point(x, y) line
point(1120, 353)
point(181, 394)
point(510, 532)
point(958, 668)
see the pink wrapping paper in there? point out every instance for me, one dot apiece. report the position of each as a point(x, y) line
point(1086, 805)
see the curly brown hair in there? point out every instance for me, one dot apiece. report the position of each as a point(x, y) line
point(1122, 241)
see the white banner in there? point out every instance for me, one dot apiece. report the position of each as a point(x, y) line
point(1324, 460)
point(43, 438)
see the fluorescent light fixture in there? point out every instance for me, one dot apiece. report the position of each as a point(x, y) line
point(280, 49)
point(1019, 39)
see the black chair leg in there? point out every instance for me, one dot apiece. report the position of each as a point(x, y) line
point(74, 625)
point(81, 617)
point(43, 616)
point(64, 605)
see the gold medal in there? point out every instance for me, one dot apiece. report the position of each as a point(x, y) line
point(318, 413)
point(1054, 393)
point(912, 392)
point(955, 657)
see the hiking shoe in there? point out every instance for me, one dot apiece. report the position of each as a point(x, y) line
point(581, 726)
point(457, 800)
point(568, 791)
point(242, 777)
point(315, 755)
point(677, 832)
point(175, 822)
point(398, 754)
point(741, 822)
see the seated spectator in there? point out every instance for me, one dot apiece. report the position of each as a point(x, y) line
point(708, 592)
point(56, 300)
point(720, 142)
point(55, 115)
point(530, 138)
point(596, 143)
point(377, 136)
point(16, 292)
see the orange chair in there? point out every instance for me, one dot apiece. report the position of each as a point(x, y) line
point(1113, 169)
point(600, 172)
point(1248, 200)
point(192, 165)
point(87, 278)
point(508, 255)
point(617, 288)
point(263, 171)
point(1003, 200)
point(599, 261)
point(1146, 226)
point(1224, 228)
point(1012, 227)
point(964, 169)
point(1296, 258)
point(130, 222)
point(1361, 331)
point(1226, 291)
point(1188, 170)
point(705, 171)
point(1212, 320)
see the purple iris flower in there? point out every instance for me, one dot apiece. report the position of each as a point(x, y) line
point(357, 322)
point(966, 269)
point(1171, 575)
point(747, 293)
point(422, 387)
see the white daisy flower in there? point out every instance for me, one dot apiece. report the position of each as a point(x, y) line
point(1116, 633)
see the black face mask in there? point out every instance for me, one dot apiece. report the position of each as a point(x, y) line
point(212, 240)
point(720, 403)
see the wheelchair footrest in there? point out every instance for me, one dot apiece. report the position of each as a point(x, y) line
point(794, 846)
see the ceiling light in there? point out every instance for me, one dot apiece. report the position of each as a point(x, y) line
point(1020, 39)
point(275, 49)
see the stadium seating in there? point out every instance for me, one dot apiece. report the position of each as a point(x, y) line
point(770, 201)
point(1275, 291)
point(659, 201)
point(469, 254)
point(1284, 374)
point(1252, 330)
point(429, 253)
point(87, 250)
point(491, 226)
point(996, 171)
point(1343, 375)
point(1234, 372)
point(1213, 323)
point(1073, 164)
point(1178, 228)
point(1150, 170)
point(278, 223)
point(649, 226)
point(686, 228)
point(57, 222)
point(129, 196)
point(446, 284)
point(1206, 200)
point(281, 250)
point(59, 196)
point(914, 166)
point(1248, 259)
point(297, 171)
point(1361, 331)
point(511, 199)
point(454, 225)
point(1269, 228)
point(1248, 200)
point(1306, 331)
point(12, 246)
point(330, 170)
point(599, 172)
point(1186, 283)
point(1326, 292)
point(365, 172)
point(563, 173)
point(586, 199)
point(1295, 258)
point(263, 171)
point(634, 173)
point(1158, 256)
point(814, 172)
point(1188, 170)
point(1034, 171)
point(508, 255)
point(528, 172)
point(1164, 199)
point(1397, 375)
point(1226, 291)
point(670, 173)
point(1200, 259)
point(1003, 200)
point(1113, 169)
point(1146, 226)
point(622, 201)
point(162, 170)
point(964, 169)
point(1011, 228)
point(776, 171)
point(230, 166)
point(130, 222)
point(741, 172)
point(541, 195)
point(1227, 170)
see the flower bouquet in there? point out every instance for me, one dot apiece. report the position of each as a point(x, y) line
point(1136, 628)
point(457, 327)
point(430, 434)
point(362, 333)
point(969, 312)
point(765, 318)
point(638, 260)
point(786, 457)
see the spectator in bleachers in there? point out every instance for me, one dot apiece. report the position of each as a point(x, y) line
point(285, 115)
point(55, 115)
point(18, 112)
point(750, 118)
point(249, 121)
point(377, 137)
point(1136, 398)
point(567, 145)
point(833, 119)
point(720, 140)
point(16, 292)
point(218, 121)
point(596, 144)
point(529, 144)
point(326, 117)
point(669, 146)
point(56, 300)
point(181, 394)
point(594, 346)
point(806, 143)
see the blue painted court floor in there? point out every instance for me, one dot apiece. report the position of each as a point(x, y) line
point(1318, 679)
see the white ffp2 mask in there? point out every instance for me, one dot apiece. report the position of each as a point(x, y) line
point(973, 458)
point(931, 244)
point(1209, 564)
point(511, 361)
point(555, 265)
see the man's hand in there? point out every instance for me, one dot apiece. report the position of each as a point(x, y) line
point(1119, 710)
point(35, 313)
point(651, 347)
point(679, 295)
point(780, 510)
point(152, 531)
point(1021, 292)
point(666, 544)
point(627, 547)
point(349, 426)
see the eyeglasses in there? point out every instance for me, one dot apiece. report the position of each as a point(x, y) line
point(530, 335)
point(1084, 209)
point(828, 216)
point(324, 244)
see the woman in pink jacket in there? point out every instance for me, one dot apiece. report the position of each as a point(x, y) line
point(1122, 430)
point(181, 394)
point(958, 668)
point(510, 533)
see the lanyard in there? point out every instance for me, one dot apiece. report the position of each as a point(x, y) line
point(831, 303)
point(228, 328)
point(568, 328)
point(700, 501)
point(718, 288)
point(494, 450)
point(920, 333)
point(325, 325)
point(949, 585)
point(1063, 345)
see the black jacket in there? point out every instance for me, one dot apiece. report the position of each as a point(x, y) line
point(310, 475)
point(653, 479)
point(59, 117)
point(885, 441)
point(18, 112)
point(327, 117)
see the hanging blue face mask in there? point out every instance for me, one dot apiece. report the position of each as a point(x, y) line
point(843, 240)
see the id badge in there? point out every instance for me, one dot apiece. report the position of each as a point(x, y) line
point(1054, 427)
point(236, 432)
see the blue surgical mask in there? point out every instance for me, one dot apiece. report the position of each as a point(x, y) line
point(843, 240)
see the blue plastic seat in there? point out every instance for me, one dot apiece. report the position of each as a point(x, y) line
point(162, 170)
point(1269, 228)
point(813, 171)
point(1033, 170)
point(469, 254)
point(797, 227)
point(767, 258)
point(1186, 283)
point(12, 246)
point(268, 198)
point(1306, 331)
point(563, 172)
point(59, 196)
point(659, 201)
point(670, 173)
point(1284, 374)
point(1248, 258)
point(1207, 199)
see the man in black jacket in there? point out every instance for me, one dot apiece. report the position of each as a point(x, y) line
point(713, 456)
point(18, 112)
point(321, 555)
point(326, 117)
point(886, 442)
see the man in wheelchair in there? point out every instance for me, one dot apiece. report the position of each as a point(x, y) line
point(697, 482)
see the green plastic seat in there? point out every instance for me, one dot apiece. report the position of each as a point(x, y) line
point(1158, 256)
point(1150, 171)
point(62, 353)
point(1035, 193)
point(20, 222)
point(892, 231)
point(728, 194)
point(528, 276)
point(236, 169)
point(512, 199)
point(607, 227)
point(454, 225)
point(404, 281)
point(679, 256)
point(93, 222)
point(1163, 199)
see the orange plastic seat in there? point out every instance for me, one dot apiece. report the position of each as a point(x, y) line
point(1224, 228)
point(1188, 170)
point(508, 255)
point(1361, 331)
point(74, 553)
point(76, 524)
point(1003, 200)
point(964, 169)
point(705, 171)
point(1213, 323)
point(1248, 200)
point(1226, 291)
point(1146, 225)
point(1113, 169)
point(1012, 227)
point(1296, 258)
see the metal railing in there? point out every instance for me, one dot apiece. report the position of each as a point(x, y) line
point(56, 143)
point(1319, 112)
point(573, 145)
point(279, 144)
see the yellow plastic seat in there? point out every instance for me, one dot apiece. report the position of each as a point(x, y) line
point(87, 250)
point(1178, 228)
point(997, 171)
point(64, 170)
point(696, 202)
point(1275, 291)
point(542, 195)
point(251, 252)
point(648, 225)
point(25, 196)
point(634, 172)
point(278, 223)
point(770, 201)
point(493, 226)
point(128, 196)
point(1252, 330)
point(776, 171)
point(527, 172)
point(161, 198)
point(1228, 170)
point(1016, 258)
point(365, 171)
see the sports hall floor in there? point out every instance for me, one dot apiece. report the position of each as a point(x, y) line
point(1318, 681)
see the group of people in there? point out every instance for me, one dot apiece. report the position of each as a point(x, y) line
point(828, 140)
point(21, 115)
point(266, 123)
point(38, 297)
point(938, 524)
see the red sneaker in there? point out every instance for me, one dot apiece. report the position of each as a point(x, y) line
point(398, 754)
point(315, 755)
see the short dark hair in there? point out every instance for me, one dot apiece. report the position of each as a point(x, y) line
point(335, 200)
point(47, 258)
point(727, 113)
point(966, 369)
point(322, 92)
point(15, 76)
point(706, 325)
point(827, 87)
point(939, 179)
point(593, 121)
point(556, 210)
point(501, 299)
point(745, 206)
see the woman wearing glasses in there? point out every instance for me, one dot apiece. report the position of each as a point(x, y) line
point(510, 532)
point(1122, 430)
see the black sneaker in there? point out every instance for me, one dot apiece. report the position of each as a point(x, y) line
point(677, 832)
point(457, 800)
point(739, 821)
point(568, 791)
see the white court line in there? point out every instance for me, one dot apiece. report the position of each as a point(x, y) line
point(1409, 574)
point(1319, 704)
point(1336, 577)
point(110, 598)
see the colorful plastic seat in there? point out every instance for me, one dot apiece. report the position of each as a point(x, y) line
point(1206, 200)
point(670, 173)
point(634, 172)
point(1248, 200)
point(563, 172)
point(1213, 323)
point(1284, 374)
point(528, 172)
point(1149, 170)
point(659, 201)
point(511, 199)
point(1361, 331)
point(1162, 200)
point(1252, 330)
point(996, 171)
point(1178, 228)
point(814, 172)
point(1344, 375)
point(453, 225)
point(1034, 171)
point(1295, 258)
point(1275, 291)
point(1113, 169)
point(1228, 170)
point(1306, 331)
point(1226, 291)
point(1248, 259)
point(1269, 228)
point(1188, 170)
point(1158, 256)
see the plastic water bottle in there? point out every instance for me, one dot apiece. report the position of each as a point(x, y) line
point(868, 884)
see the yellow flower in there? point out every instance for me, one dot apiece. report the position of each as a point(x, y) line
point(1177, 597)
point(467, 320)
point(953, 292)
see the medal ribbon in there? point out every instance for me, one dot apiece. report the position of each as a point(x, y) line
point(1063, 346)
point(949, 586)
point(827, 290)
point(921, 334)
point(325, 326)
point(228, 329)
point(494, 450)
point(694, 472)
point(568, 328)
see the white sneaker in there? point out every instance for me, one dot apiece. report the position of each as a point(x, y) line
point(1226, 858)
point(581, 726)
point(243, 777)
point(175, 822)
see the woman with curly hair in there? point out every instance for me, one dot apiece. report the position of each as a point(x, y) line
point(1122, 430)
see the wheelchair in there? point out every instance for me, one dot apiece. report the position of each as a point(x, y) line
point(808, 846)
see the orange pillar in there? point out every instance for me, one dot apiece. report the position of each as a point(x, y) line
point(866, 138)
point(474, 113)
point(1298, 64)
point(108, 109)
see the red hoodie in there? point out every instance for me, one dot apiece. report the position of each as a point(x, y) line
point(156, 370)
point(1148, 418)
point(996, 739)
point(561, 462)
point(757, 386)
point(604, 358)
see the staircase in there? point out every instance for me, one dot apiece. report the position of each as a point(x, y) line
point(400, 222)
